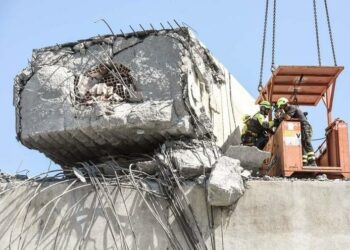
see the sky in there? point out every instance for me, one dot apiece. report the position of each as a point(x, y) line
point(231, 30)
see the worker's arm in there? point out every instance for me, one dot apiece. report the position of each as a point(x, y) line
point(281, 115)
point(290, 112)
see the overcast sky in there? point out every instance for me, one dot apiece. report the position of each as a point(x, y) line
point(231, 29)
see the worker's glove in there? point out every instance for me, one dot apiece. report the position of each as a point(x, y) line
point(266, 133)
point(283, 116)
point(278, 114)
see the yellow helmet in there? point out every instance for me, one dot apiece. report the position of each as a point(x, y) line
point(265, 104)
point(245, 118)
point(282, 101)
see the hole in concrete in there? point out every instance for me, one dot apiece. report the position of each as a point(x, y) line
point(105, 82)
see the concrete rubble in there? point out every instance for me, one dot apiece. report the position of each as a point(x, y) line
point(225, 185)
point(193, 158)
point(246, 174)
point(322, 177)
point(5, 178)
point(9, 178)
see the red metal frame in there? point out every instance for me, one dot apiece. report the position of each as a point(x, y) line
point(307, 85)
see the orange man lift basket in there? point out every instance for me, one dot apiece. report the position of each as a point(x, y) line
point(306, 85)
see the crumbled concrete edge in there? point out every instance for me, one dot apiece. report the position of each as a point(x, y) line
point(225, 184)
point(200, 121)
point(193, 158)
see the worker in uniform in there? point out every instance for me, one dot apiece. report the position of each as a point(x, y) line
point(247, 137)
point(256, 129)
point(292, 111)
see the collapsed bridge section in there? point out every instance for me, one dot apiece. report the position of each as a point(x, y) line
point(125, 94)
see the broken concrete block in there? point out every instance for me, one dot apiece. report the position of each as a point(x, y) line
point(246, 174)
point(193, 159)
point(200, 179)
point(190, 163)
point(81, 101)
point(251, 158)
point(322, 177)
point(267, 178)
point(225, 185)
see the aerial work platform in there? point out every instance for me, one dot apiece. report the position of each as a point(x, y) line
point(306, 85)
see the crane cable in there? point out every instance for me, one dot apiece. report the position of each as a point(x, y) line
point(330, 33)
point(260, 86)
point(273, 35)
point(317, 34)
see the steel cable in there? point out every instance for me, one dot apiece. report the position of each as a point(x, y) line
point(330, 32)
point(263, 46)
point(316, 31)
point(273, 35)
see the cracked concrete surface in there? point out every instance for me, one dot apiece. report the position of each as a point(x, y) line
point(183, 92)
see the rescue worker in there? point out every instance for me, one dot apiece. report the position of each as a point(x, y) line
point(292, 111)
point(246, 136)
point(257, 128)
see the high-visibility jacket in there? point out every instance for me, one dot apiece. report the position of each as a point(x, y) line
point(258, 125)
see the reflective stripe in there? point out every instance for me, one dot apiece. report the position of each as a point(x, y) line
point(311, 156)
point(304, 158)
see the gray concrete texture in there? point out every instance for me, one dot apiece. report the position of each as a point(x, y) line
point(181, 90)
point(271, 215)
point(251, 158)
point(225, 184)
point(193, 158)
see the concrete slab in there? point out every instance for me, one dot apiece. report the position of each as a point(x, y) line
point(251, 158)
point(72, 106)
point(193, 158)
